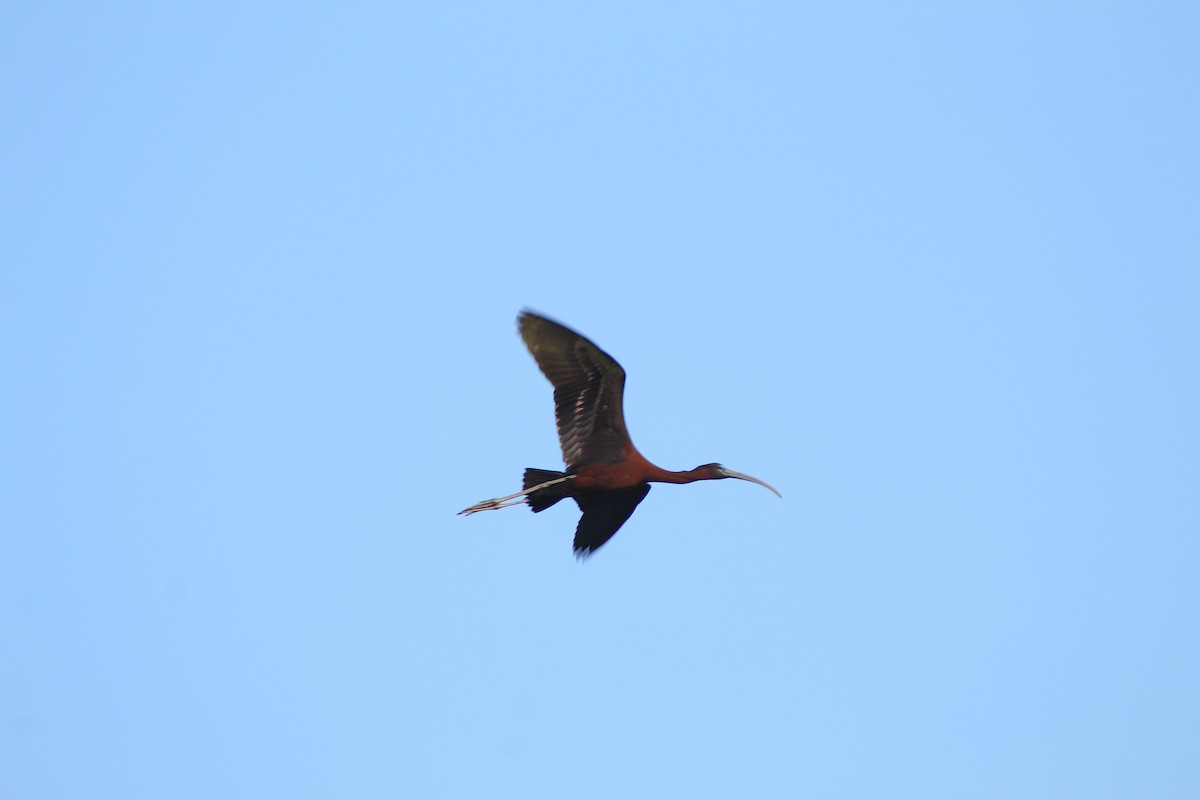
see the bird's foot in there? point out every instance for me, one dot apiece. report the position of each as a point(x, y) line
point(489, 505)
point(486, 505)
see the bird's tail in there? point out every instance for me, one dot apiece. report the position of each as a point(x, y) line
point(544, 498)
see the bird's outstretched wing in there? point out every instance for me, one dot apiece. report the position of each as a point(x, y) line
point(603, 515)
point(588, 388)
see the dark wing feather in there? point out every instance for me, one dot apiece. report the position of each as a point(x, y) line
point(588, 388)
point(603, 515)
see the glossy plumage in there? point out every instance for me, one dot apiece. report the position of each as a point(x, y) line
point(588, 388)
point(606, 475)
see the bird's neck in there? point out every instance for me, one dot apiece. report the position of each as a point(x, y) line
point(657, 474)
point(661, 475)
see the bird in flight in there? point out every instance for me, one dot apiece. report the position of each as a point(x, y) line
point(605, 475)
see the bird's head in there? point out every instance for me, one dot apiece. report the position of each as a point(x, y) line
point(718, 471)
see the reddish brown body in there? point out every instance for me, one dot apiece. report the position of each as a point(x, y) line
point(635, 469)
point(606, 475)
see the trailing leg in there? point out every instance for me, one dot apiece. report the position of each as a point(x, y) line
point(538, 503)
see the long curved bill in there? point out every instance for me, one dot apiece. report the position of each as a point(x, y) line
point(729, 473)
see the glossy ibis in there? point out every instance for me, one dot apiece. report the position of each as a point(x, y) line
point(605, 474)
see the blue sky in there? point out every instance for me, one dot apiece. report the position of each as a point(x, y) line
point(930, 269)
